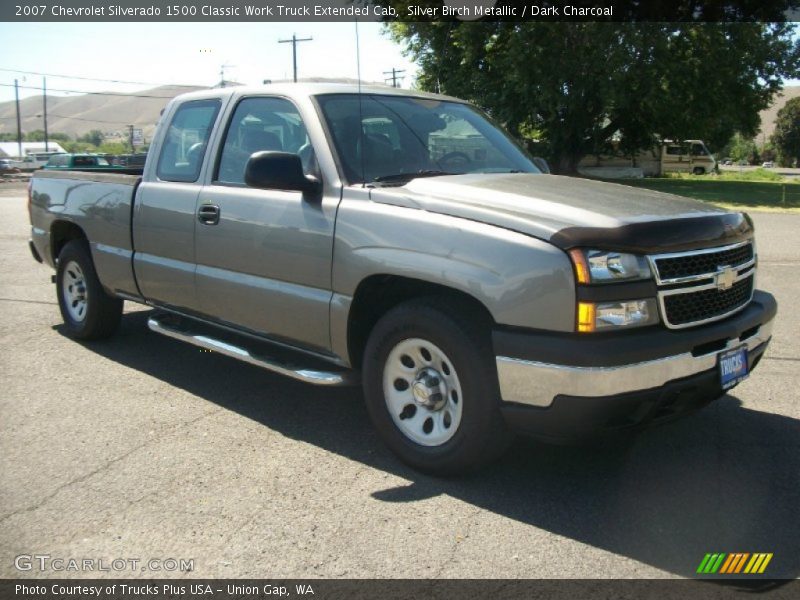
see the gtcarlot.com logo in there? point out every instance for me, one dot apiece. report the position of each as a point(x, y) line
point(45, 562)
point(737, 563)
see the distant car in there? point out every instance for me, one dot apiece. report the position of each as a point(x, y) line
point(81, 162)
point(768, 164)
point(7, 167)
point(131, 160)
point(727, 163)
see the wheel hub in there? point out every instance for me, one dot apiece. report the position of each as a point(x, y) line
point(422, 392)
point(74, 291)
point(429, 389)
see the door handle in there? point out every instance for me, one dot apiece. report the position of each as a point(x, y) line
point(208, 214)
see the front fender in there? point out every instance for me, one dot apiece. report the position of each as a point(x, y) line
point(522, 281)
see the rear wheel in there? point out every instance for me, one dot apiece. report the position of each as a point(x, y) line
point(699, 171)
point(431, 388)
point(88, 312)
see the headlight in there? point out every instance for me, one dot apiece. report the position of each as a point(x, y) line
point(604, 266)
point(605, 316)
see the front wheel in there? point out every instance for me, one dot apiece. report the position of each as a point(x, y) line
point(431, 387)
point(88, 312)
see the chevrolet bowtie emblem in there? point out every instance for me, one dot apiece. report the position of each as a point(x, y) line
point(725, 278)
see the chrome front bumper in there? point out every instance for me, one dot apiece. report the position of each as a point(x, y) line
point(537, 384)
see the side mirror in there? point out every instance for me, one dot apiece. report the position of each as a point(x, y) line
point(279, 171)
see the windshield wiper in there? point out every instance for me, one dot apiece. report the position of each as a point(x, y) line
point(409, 176)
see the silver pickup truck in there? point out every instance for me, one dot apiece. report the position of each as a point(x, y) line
point(403, 241)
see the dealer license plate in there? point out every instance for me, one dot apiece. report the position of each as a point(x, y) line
point(733, 367)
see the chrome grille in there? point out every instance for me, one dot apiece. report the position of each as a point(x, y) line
point(701, 286)
point(689, 265)
point(703, 305)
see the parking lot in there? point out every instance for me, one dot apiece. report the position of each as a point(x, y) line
point(141, 447)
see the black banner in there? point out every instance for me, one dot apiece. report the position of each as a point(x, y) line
point(397, 10)
point(326, 589)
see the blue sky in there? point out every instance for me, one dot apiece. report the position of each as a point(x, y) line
point(188, 53)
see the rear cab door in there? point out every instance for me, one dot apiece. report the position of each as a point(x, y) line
point(164, 213)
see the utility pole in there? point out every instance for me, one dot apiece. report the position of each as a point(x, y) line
point(394, 76)
point(222, 68)
point(130, 134)
point(294, 41)
point(19, 123)
point(44, 113)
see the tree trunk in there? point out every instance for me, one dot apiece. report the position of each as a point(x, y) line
point(567, 164)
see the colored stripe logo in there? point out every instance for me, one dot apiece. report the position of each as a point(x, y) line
point(734, 563)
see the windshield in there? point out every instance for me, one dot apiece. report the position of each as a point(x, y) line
point(404, 137)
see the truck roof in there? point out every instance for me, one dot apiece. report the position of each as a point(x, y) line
point(303, 90)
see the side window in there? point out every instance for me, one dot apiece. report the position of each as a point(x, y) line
point(262, 124)
point(698, 150)
point(185, 144)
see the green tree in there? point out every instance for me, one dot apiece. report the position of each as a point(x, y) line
point(741, 148)
point(59, 137)
point(786, 138)
point(79, 147)
point(37, 135)
point(584, 86)
point(94, 137)
point(113, 148)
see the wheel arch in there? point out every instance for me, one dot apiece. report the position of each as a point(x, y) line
point(62, 232)
point(377, 294)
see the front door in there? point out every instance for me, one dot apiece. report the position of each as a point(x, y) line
point(264, 256)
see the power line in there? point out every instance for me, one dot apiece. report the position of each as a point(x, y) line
point(96, 78)
point(71, 118)
point(90, 120)
point(121, 94)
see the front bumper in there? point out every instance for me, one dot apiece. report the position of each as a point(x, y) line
point(562, 385)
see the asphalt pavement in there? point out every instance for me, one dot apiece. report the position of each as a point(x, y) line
point(142, 447)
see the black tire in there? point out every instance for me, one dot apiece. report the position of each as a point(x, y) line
point(699, 171)
point(101, 313)
point(464, 338)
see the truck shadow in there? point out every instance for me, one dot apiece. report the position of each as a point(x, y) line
point(723, 480)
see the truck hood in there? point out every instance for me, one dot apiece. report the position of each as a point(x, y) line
point(570, 211)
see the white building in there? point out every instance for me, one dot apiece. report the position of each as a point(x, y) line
point(11, 149)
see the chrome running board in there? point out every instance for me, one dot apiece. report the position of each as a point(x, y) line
point(249, 351)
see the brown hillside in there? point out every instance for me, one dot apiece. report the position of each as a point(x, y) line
point(768, 116)
point(109, 114)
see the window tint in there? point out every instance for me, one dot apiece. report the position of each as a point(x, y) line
point(187, 138)
point(84, 161)
point(262, 124)
point(385, 136)
point(698, 150)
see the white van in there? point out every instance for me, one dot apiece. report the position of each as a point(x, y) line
point(35, 160)
point(690, 156)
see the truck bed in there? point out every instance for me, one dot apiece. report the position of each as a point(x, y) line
point(122, 176)
point(97, 203)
